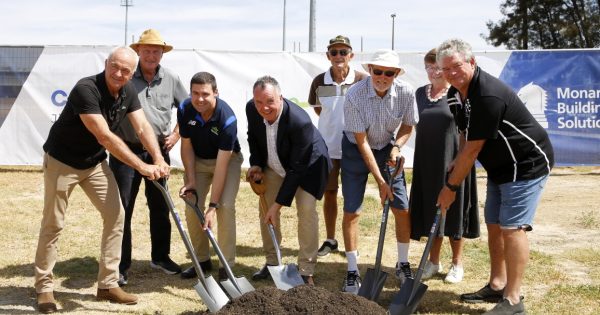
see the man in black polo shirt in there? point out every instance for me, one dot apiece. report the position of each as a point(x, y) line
point(517, 155)
point(76, 155)
point(211, 156)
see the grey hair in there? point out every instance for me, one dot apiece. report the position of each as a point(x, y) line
point(454, 46)
point(264, 80)
point(128, 50)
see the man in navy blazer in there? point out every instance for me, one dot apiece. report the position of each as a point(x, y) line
point(289, 155)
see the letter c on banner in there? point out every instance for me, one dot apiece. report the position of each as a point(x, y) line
point(55, 98)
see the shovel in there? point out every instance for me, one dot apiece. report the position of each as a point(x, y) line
point(209, 290)
point(406, 301)
point(375, 277)
point(284, 276)
point(236, 287)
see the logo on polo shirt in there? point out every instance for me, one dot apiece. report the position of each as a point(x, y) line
point(215, 130)
point(192, 122)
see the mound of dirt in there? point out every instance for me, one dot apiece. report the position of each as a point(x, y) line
point(303, 299)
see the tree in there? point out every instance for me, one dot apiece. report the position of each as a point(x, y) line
point(530, 24)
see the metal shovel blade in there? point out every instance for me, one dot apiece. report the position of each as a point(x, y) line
point(372, 284)
point(214, 300)
point(407, 300)
point(285, 277)
point(242, 283)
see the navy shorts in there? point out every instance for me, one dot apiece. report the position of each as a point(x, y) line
point(355, 173)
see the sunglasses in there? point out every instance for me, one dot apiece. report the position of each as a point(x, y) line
point(387, 73)
point(343, 52)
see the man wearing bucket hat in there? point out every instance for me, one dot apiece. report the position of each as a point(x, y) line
point(159, 90)
point(327, 94)
point(379, 112)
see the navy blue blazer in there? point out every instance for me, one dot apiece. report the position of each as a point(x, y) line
point(300, 147)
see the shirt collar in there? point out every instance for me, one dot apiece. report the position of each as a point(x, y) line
point(348, 80)
point(160, 73)
point(371, 90)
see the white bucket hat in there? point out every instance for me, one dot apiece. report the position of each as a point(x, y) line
point(385, 58)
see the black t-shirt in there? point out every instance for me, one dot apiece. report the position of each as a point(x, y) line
point(517, 147)
point(208, 137)
point(69, 141)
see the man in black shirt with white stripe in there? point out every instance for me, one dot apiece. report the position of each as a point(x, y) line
point(517, 154)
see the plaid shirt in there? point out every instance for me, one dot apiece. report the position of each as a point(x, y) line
point(379, 118)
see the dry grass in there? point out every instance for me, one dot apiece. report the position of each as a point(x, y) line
point(548, 288)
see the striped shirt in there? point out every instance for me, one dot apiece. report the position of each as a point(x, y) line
point(380, 118)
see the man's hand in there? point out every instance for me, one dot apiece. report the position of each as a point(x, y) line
point(170, 141)
point(164, 168)
point(445, 199)
point(272, 214)
point(385, 192)
point(185, 189)
point(209, 218)
point(254, 174)
point(150, 171)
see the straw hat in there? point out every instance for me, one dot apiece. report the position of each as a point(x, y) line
point(385, 58)
point(151, 37)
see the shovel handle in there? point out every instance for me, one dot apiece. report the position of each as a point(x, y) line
point(275, 244)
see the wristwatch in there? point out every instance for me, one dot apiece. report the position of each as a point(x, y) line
point(453, 188)
point(213, 205)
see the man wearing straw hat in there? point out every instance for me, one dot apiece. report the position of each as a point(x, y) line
point(379, 114)
point(159, 90)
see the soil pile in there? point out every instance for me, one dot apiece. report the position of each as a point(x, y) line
point(299, 300)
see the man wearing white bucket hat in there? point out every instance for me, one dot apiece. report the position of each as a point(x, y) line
point(379, 113)
point(158, 90)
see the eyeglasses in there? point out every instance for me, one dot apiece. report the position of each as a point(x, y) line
point(343, 52)
point(433, 69)
point(387, 73)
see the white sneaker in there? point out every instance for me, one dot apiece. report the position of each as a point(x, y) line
point(431, 270)
point(455, 275)
point(352, 282)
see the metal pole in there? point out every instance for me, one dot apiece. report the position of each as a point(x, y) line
point(126, 4)
point(283, 44)
point(311, 26)
point(393, 17)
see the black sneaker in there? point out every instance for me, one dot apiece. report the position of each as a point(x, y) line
point(403, 272)
point(122, 279)
point(167, 265)
point(327, 248)
point(485, 294)
point(222, 274)
point(191, 272)
point(351, 282)
point(262, 274)
point(505, 308)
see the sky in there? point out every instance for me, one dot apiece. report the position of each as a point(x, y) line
point(249, 25)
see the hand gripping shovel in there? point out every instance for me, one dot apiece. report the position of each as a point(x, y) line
point(406, 301)
point(284, 276)
point(209, 290)
point(375, 277)
point(234, 286)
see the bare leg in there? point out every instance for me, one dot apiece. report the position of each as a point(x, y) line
point(350, 231)
point(516, 253)
point(330, 211)
point(434, 254)
point(457, 250)
point(402, 219)
point(497, 262)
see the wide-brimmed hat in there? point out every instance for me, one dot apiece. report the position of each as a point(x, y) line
point(151, 37)
point(385, 58)
point(340, 39)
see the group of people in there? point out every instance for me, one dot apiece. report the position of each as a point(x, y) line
point(365, 120)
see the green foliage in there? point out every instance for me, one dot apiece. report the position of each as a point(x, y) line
point(531, 24)
point(589, 219)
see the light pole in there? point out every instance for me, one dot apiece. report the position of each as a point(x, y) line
point(393, 17)
point(283, 44)
point(126, 4)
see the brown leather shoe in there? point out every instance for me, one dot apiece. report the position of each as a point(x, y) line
point(46, 303)
point(116, 295)
point(309, 280)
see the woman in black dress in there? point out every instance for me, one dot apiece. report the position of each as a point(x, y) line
point(436, 145)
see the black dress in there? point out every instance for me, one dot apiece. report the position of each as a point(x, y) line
point(436, 145)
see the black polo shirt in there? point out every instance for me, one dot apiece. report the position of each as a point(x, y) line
point(208, 137)
point(517, 147)
point(69, 141)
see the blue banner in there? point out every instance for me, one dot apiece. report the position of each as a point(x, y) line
point(562, 90)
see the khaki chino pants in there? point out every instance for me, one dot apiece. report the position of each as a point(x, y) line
point(100, 186)
point(308, 224)
point(226, 230)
